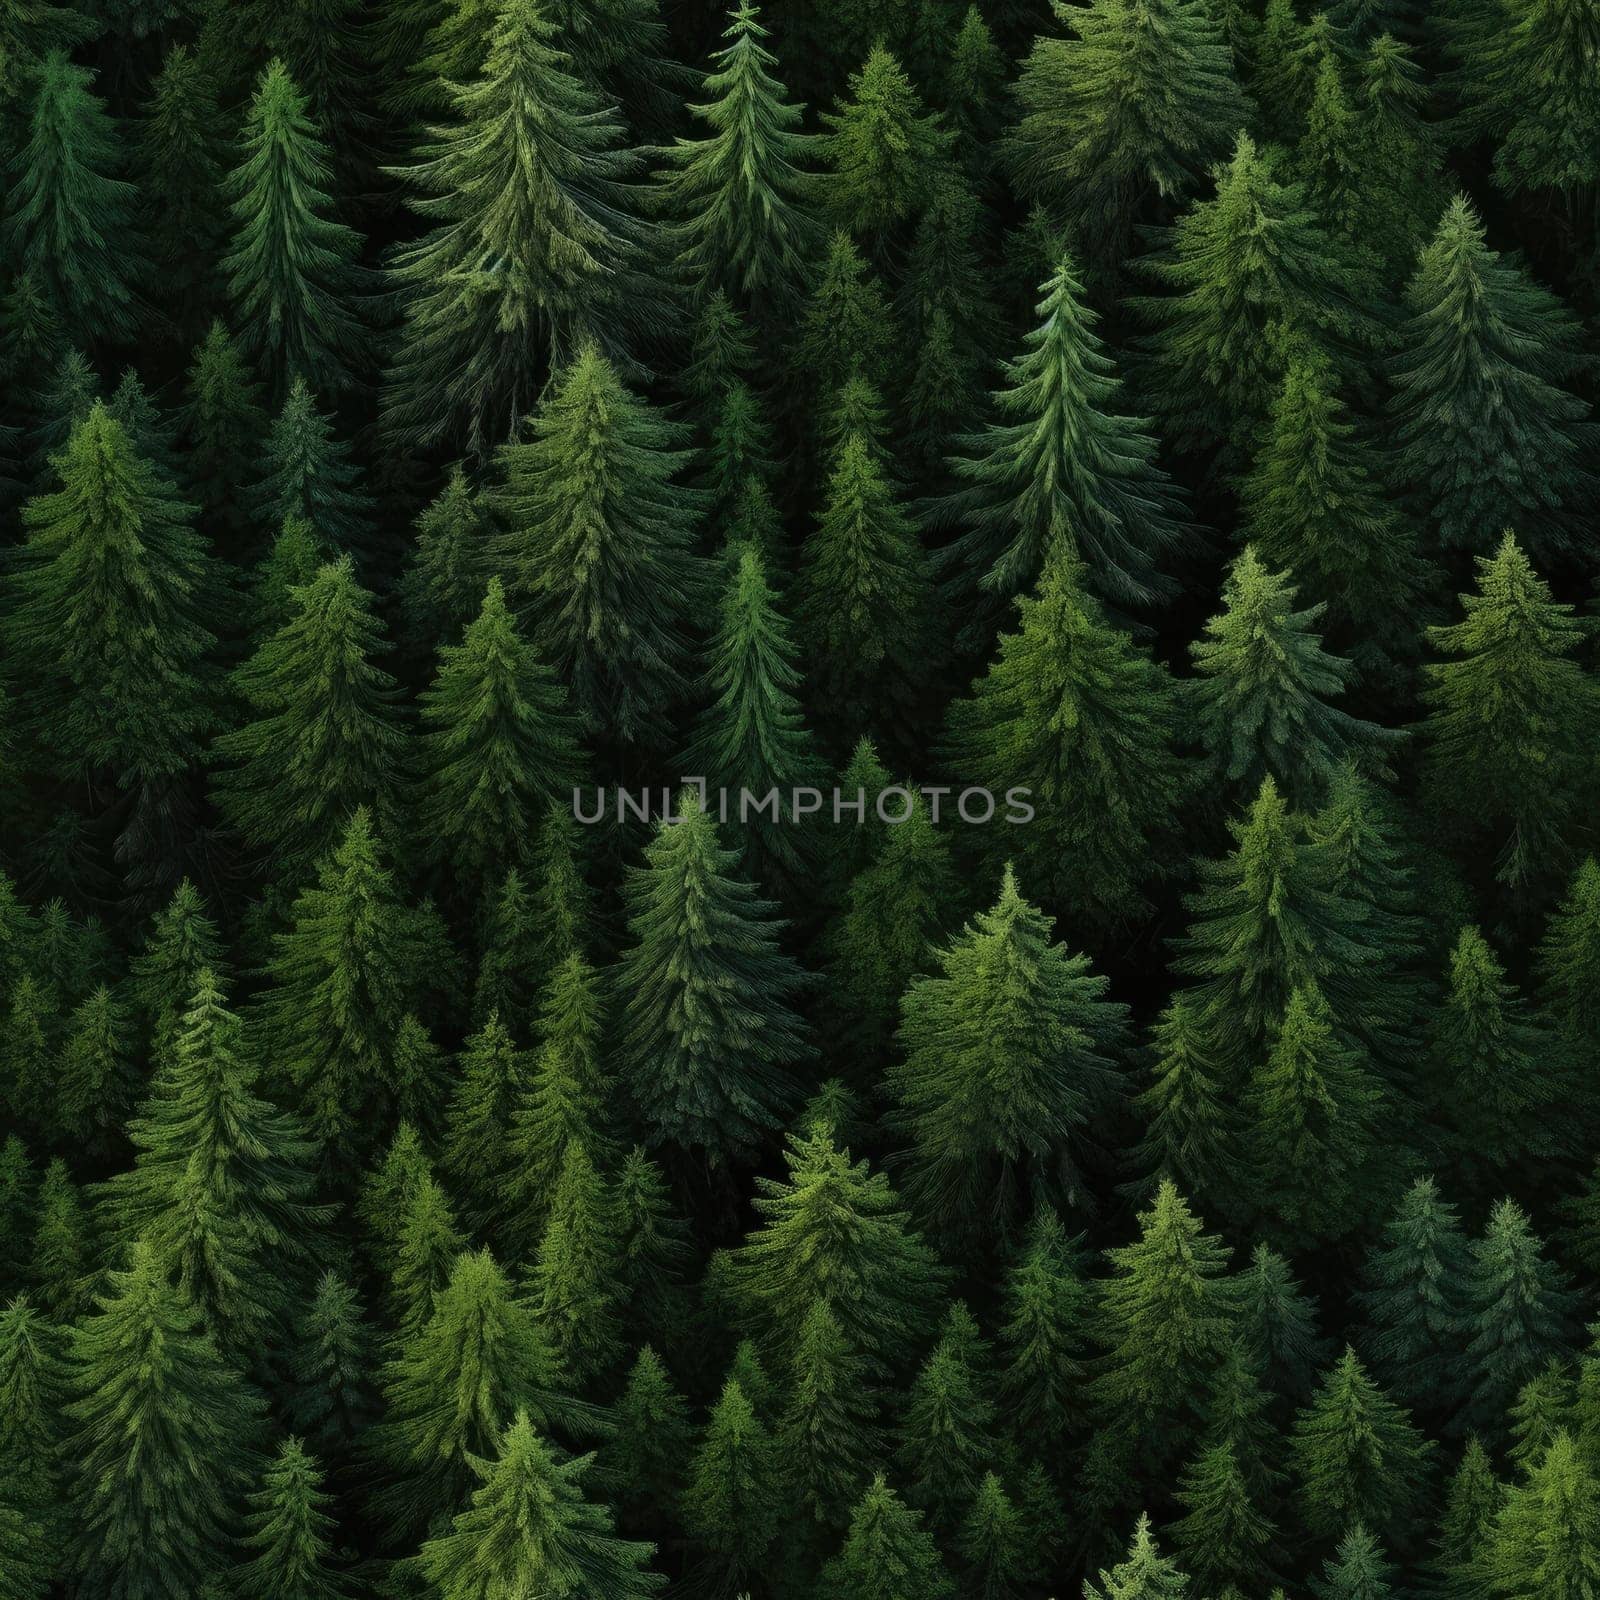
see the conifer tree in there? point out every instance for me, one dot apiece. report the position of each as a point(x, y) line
point(65, 399)
point(1087, 722)
point(330, 1400)
point(887, 1554)
point(111, 601)
point(827, 1436)
point(1145, 1575)
point(732, 1506)
point(1045, 1304)
point(183, 942)
point(69, 216)
point(1312, 506)
point(1009, 1056)
point(340, 978)
point(294, 560)
point(530, 1529)
point(491, 1079)
point(426, 1245)
point(442, 586)
point(1569, 958)
point(577, 1285)
point(534, 250)
point(498, 744)
point(656, 1251)
point(1546, 1539)
point(61, 1245)
point(1357, 1455)
point(709, 1034)
point(27, 1052)
point(1126, 110)
point(98, 1080)
point(1222, 1536)
point(653, 1439)
point(221, 425)
point(164, 1440)
point(883, 149)
point(991, 1543)
point(1415, 1301)
point(1511, 719)
point(741, 197)
point(291, 271)
point(325, 738)
point(845, 327)
point(32, 1391)
point(289, 1531)
point(1544, 1407)
point(1357, 1570)
point(1218, 355)
point(1162, 1317)
point(1519, 1309)
point(309, 474)
point(1472, 1501)
point(593, 493)
point(1485, 424)
point(1062, 474)
point(221, 1181)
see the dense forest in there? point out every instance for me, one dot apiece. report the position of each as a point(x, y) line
point(1092, 1091)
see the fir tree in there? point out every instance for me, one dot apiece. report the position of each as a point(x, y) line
point(1569, 958)
point(1044, 1304)
point(221, 425)
point(1145, 1575)
point(69, 216)
point(741, 197)
point(1222, 1536)
point(325, 737)
point(845, 327)
point(294, 560)
point(426, 1245)
point(992, 1543)
point(593, 493)
point(442, 587)
point(709, 1035)
point(61, 1245)
point(1061, 474)
point(98, 1079)
point(530, 1529)
point(164, 1442)
point(490, 1080)
point(1087, 722)
point(887, 1554)
point(1357, 1570)
point(1485, 426)
point(533, 252)
point(1511, 719)
point(645, 1456)
point(291, 272)
point(732, 1506)
point(1356, 1454)
point(1472, 1502)
point(309, 474)
point(1544, 1408)
point(1008, 1058)
point(330, 1400)
point(182, 943)
point(827, 1436)
point(289, 1531)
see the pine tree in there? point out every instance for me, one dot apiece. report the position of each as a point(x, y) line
point(1061, 473)
point(1223, 1536)
point(593, 493)
point(1472, 1502)
point(534, 250)
point(1544, 1408)
point(1546, 1539)
point(733, 1506)
point(1162, 1317)
point(992, 1543)
point(887, 1554)
point(290, 1530)
point(426, 1245)
point(1511, 719)
point(741, 197)
point(442, 586)
point(97, 1080)
point(656, 1252)
point(221, 425)
point(61, 1245)
point(32, 1385)
point(1357, 1455)
point(883, 150)
point(291, 272)
point(65, 399)
point(1218, 355)
point(491, 1078)
point(1145, 1575)
point(531, 1530)
point(220, 1186)
point(340, 978)
point(1357, 1570)
point(309, 474)
point(498, 745)
point(576, 1288)
point(1519, 1310)
point(182, 943)
point(1009, 1058)
point(69, 216)
point(28, 1052)
point(645, 1455)
point(111, 602)
point(1485, 425)
point(845, 327)
point(834, 1234)
point(1127, 110)
point(1315, 1113)
point(1087, 722)
point(827, 1437)
point(1044, 1303)
point(1415, 1301)
point(164, 1441)
point(1311, 506)
point(752, 738)
point(709, 1035)
point(325, 738)
point(330, 1400)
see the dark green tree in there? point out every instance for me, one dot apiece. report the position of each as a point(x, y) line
point(1145, 1575)
point(289, 1532)
point(1045, 1305)
point(309, 474)
point(330, 1400)
point(733, 1504)
point(646, 1454)
point(887, 1554)
point(827, 1436)
point(442, 586)
point(221, 426)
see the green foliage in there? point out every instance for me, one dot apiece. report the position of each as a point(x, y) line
point(309, 474)
point(289, 1531)
point(732, 1505)
point(887, 1554)
point(1145, 1575)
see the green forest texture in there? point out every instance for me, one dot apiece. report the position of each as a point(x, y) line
point(1178, 409)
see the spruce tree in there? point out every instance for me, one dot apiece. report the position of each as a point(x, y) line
point(309, 474)
point(992, 1543)
point(1472, 1501)
point(98, 1079)
point(292, 274)
point(827, 1437)
point(221, 425)
point(1061, 473)
point(1357, 1456)
point(534, 250)
point(442, 586)
point(887, 1554)
point(1511, 720)
point(530, 1529)
point(1009, 1058)
point(111, 600)
point(1544, 1407)
point(1546, 1538)
point(1044, 1305)
point(732, 1506)
point(330, 1401)
point(491, 1078)
point(845, 327)
point(593, 494)
point(646, 1454)
point(741, 198)
point(1486, 427)
point(1569, 959)
point(289, 1533)
point(69, 215)
point(183, 942)
point(709, 1036)
point(1357, 1570)
point(497, 746)
point(325, 736)
point(1223, 1535)
point(1145, 1575)
point(61, 1245)
point(425, 1247)
point(164, 1443)
point(1088, 723)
